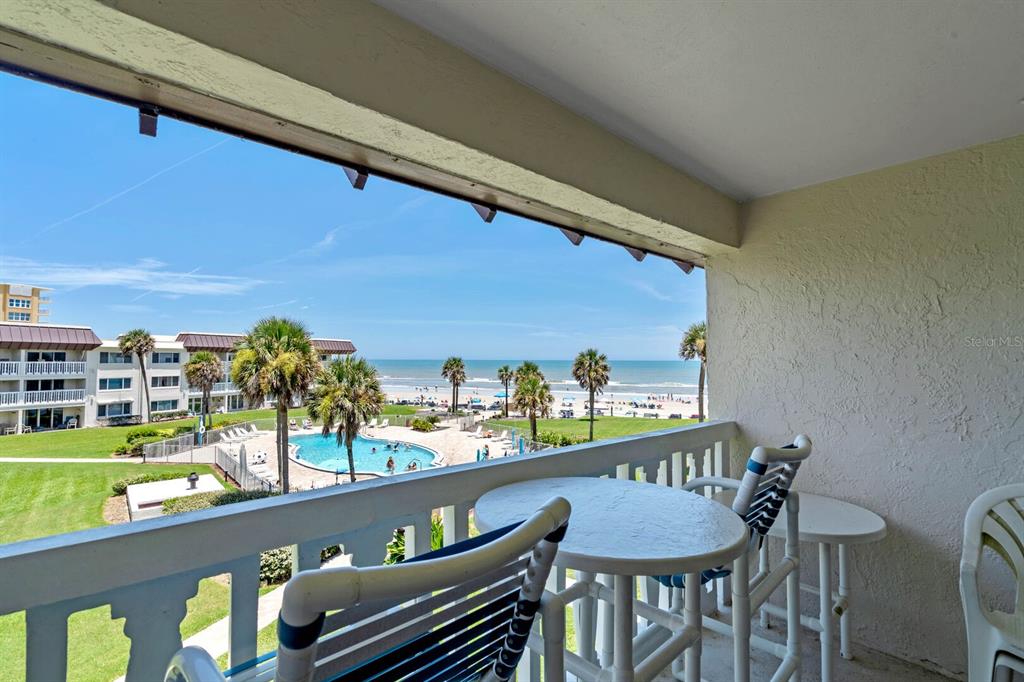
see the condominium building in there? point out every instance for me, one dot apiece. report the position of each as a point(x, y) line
point(56, 376)
point(23, 303)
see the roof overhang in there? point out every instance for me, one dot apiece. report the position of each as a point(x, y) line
point(48, 337)
point(219, 343)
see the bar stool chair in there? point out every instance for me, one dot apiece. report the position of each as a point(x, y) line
point(759, 498)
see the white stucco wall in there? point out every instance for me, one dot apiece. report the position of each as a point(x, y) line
point(869, 312)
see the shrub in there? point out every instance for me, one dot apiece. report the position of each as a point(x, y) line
point(120, 487)
point(423, 425)
point(396, 548)
point(434, 419)
point(559, 440)
point(275, 564)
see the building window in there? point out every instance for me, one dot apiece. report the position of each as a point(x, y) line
point(46, 356)
point(165, 358)
point(112, 358)
point(19, 303)
point(114, 410)
point(164, 382)
point(19, 317)
point(115, 384)
point(235, 402)
point(163, 405)
point(195, 405)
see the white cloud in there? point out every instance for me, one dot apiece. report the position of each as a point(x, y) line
point(147, 275)
point(650, 290)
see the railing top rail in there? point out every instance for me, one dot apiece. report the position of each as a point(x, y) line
point(127, 554)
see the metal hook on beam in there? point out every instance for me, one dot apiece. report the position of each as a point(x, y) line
point(485, 212)
point(357, 176)
point(572, 235)
point(147, 120)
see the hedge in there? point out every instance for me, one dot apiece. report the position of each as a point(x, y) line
point(275, 564)
point(421, 425)
point(560, 440)
point(120, 487)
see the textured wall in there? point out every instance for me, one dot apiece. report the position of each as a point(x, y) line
point(883, 315)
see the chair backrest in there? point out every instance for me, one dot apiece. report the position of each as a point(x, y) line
point(994, 520)
point(459, 613)
point(766, 483)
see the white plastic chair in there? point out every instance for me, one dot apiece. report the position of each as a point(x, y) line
point(995, 640)
point(463, 612)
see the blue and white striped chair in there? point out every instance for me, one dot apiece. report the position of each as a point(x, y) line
point(759, 499)
point(460, 613)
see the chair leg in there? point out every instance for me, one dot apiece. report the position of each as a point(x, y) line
point(793, 625)
point(741, 618)
point(552, 624)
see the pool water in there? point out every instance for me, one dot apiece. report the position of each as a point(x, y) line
point(325, 453)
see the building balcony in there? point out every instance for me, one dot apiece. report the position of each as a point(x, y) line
point(219, 388)
point(10, 369)
point(147, 570)
point(72, 368)
point(65, 396)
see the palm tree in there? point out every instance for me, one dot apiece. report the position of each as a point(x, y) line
point(533, 398)
point(694, 346)
point(348, 393)
point(276, 358)
point(203, 370)
point(505, 377)
point(591, 370)
point(454, 370)
point(140, 343)
point(527, 369)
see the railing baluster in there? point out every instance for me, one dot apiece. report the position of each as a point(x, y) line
point(46, 643)
point(678, 469)
point(455, 519)
point(245, 596)
point(153, 612)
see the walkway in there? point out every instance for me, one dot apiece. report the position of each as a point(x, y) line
point(74, 460)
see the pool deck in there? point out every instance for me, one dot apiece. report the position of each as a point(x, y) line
point(451, 445)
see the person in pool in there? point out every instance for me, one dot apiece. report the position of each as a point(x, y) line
point(373, 450)
point(390, 465)
point(412, 466)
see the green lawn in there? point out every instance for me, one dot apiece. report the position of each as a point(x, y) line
point(604, 427)
point(101, 441)
point(45, 499)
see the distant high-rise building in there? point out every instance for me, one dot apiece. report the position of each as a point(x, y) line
point(23, 303)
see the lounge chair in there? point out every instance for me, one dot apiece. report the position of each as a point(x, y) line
point(384, 423)
point(463, 612)
point(372, 423)
point(307, 423)
point(478, 433)
point(293, 425)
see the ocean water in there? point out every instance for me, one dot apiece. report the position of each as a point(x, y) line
point(628, 378)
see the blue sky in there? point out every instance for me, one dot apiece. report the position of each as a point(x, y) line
point(200, 231)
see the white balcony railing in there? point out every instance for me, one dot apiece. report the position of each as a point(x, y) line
point(10, 398)
point(54, 397)
point(53, 368)
point(9, 368)
point(147, 570)
point(219, 387)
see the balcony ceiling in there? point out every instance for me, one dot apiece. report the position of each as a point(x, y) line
point(758, 98)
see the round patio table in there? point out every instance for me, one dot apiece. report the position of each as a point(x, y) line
point(627, 529)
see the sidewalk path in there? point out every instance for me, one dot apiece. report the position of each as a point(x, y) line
point(74, 460)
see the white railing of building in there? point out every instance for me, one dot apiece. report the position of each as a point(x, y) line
point(147, 570)
point(50, 368)
point(219, 387)
point(64, 395)
point(10, 398)
point(9, 368)
point(189, 442)
point(245, 478)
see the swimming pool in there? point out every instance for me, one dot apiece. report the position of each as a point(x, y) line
point(370, 454)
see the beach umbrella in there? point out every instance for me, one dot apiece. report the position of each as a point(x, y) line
point(522, 445)
point(241, 456)
point(478, 454)
point(501, 395)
